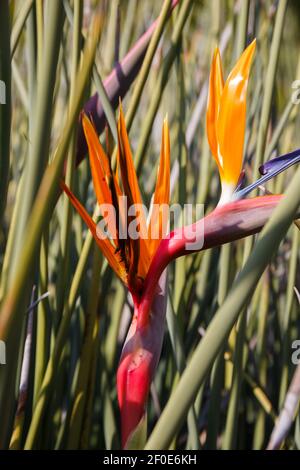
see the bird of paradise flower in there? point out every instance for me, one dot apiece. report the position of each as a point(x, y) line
point(140, 262)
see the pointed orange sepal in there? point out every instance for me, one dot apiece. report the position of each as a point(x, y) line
point(158, 223)
point(139, 253)
point(101, 173)
point(231, 121)
point(216, 85)
point(226, 115)
point(103, 242)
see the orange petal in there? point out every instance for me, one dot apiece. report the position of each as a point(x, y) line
point(129, 178)
point(232, 118)
point(99, 163)
point(101, 172)
point(216, 84)
point(158, 223)
point(104, 244)
point(139, 254)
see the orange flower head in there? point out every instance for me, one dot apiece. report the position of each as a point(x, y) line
point(226, 118)
point(129, 257)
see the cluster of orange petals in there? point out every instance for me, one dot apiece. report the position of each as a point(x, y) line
point(129, 258)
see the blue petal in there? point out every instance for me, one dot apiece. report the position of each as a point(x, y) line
point(280, 163)
point(269, 170)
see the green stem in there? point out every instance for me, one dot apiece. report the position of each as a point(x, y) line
point(262, 361)
point(269, 85)
point(19, 25)
point(51, 370)
point(70, 167)
point(217, 375)
point(144, 72)
point(80, 395)
point(161, 82)
point(290, 298)
point(242, 28)
point(42, 113)
point(180, 360)
point(5, 102)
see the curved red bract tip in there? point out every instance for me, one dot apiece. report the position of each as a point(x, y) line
point(133, 382)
